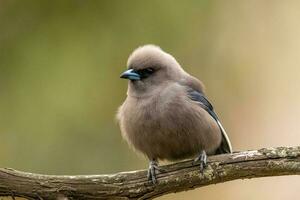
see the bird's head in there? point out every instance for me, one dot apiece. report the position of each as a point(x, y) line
point(148, 68)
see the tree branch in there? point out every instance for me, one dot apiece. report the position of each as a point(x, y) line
point(134, 185)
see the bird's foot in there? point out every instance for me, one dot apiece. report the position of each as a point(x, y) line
point(203, 160)
point(153, 167)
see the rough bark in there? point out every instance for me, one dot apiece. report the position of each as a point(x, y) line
point(134, 185)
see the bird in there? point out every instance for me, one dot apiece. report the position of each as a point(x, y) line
point(166, 114)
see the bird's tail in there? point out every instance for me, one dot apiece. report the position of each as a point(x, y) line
point(225, 146)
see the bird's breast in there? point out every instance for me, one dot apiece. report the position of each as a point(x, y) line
point(168, 126)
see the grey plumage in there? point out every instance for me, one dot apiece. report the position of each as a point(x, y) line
point(166, 114)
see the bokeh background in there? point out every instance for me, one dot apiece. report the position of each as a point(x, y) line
point(59, 80)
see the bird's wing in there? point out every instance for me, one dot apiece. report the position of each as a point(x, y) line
point(200, 98)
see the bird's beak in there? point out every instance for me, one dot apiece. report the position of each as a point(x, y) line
point(131, 75)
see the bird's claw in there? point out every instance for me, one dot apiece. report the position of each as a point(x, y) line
point(153, 167)
point(203, 160)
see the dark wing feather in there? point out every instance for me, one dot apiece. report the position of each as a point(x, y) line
point(199, 97)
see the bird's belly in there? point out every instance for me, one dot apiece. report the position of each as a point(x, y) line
point(173, 136)
point(170, 146)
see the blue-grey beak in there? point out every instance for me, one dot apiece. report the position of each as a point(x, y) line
point(131, 75)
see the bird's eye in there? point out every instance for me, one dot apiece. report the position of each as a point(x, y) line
point(150, 70)
point(144, 73)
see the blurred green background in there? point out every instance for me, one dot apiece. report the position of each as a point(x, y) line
point(60, 89)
